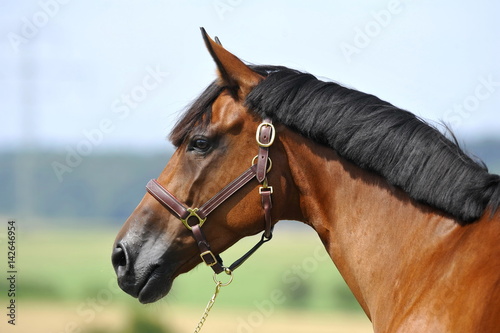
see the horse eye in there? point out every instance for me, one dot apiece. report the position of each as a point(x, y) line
point(200, 144)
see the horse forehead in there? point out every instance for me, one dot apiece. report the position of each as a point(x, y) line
point(227, 112)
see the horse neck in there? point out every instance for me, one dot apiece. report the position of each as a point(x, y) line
point(376, 235)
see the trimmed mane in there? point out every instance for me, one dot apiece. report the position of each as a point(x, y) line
point(372, 134)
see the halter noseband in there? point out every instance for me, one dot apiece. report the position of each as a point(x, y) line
point(261, 165)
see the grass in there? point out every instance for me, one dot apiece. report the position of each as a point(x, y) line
point(115, 317)
point(65, 278)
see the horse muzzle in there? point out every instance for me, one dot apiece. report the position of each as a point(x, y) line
point(142, 269)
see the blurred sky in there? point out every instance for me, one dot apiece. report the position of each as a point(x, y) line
point(118, 73)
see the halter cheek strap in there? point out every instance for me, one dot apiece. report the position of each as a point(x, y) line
point(261, 165)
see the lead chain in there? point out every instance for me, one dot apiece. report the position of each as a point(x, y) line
point(208, 308)
point(218, 285)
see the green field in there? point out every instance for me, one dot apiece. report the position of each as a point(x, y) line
point(70, 272)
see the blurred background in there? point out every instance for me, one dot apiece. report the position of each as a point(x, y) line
point(89, 91)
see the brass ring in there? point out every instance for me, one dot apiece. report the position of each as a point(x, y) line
point(223, 284)
point(268, 159)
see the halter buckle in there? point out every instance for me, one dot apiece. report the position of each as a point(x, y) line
point(265, 187)
point(271, 140)
point(208, 258)
point(192, 212)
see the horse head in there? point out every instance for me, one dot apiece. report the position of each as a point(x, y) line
point(216, 142)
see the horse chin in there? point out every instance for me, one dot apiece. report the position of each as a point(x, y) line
point(159, 281)
point(156, 287)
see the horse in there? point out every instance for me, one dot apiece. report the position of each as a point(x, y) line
point(409, 219)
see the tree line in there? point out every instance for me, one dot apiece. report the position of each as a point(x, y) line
point(107, 186)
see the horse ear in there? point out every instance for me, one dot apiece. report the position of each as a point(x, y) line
point(233, 73)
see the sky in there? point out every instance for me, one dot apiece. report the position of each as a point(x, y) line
point(115, 75)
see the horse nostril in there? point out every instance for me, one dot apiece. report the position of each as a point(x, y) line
point(119, 258)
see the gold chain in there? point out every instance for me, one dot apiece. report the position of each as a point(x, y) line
point(208, 308)
point(218, 285)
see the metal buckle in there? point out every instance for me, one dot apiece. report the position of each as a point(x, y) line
point(273, 135)
point(212, 257)
point(192, 212)
point(265, 187)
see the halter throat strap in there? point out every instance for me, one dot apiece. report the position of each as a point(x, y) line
point(194, 218)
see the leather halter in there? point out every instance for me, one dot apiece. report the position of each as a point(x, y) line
point(261, 165)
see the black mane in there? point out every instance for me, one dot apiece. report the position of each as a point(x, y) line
point(371, 133)
point(199, 110)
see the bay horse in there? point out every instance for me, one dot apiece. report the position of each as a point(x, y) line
point(410, 220)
